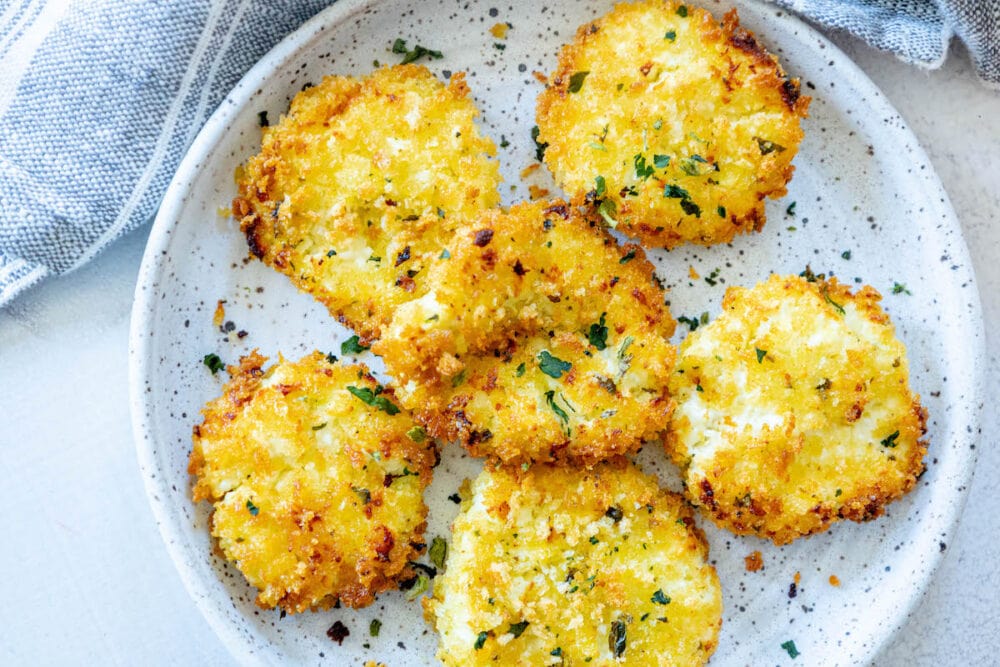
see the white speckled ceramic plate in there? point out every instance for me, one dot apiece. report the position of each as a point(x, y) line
point(862, 185)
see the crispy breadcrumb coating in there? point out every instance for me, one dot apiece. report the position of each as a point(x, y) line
point(355, 190)
point(539, 339)
point(317, 488)
point(556, 566)
point(795, 410)
point(675, 125)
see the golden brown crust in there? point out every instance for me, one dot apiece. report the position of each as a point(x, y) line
point(554, 558)
point(317, 494)
point(539, 339)
point(795, 411)
point(354, 192)
point(691, 124)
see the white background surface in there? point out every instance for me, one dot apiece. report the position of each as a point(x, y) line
point(86, 576)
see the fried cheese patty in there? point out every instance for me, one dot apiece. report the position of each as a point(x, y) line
point(676, 125)
point(540, 338)
point(795, 410)
point(317, 481)
point(556, 566)
point(355, 190)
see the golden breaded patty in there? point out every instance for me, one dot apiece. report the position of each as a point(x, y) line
point(539, 338)
point(317, 480)
point(355, 190)
point(556, 566)
point(795, 410)
point(676, 125)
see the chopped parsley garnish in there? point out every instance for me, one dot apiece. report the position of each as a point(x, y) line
point(659, 597)
point(352, 346)
point(539, 147)
point(682, 11)
point(331, 253)
point(214, 363)
point(480, 640)
point(557, 652)
point(517, 629)
point(670, 36)
point(790, 647)
point(438, 552)
point(444, 254)
point(499, 46)
point(721, 211)
point(642, 170)
point(372, 398)
point(767, 147)
point(253, 509)
point(318, 427)
point(838, 493)
point(658, 123)
point(672, 191)
point(503, 144)
point(661, 161)
point(375, 627)
point(899, 288)
point(617, 638)
point(262, 119)
point(520, 370)
point(331, 358)
point(689, 165)
point(691, 208)
point(576, 81)
point(890, 440)
point(691, 322)
point(597, 147)
point(791, 209)
point(409, 56)
point(608, 210)
point(627, 257)
point(614, 513)
point(593, 539)
point(455, 498)
point(364, 494)
point(713, 278)
point(552, 366)
point(600, 187)
point(417, 434)
point(598, 334)
point(563, 417)
point(846, 254)
point(458, 379)
point(760, 354)
point(837, 306)
point(419, 588)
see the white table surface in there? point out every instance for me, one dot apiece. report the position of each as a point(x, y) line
point(88, 580)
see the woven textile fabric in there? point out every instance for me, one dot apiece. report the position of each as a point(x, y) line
point(99, 99)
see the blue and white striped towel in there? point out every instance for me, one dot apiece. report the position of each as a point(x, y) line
point(99, 99)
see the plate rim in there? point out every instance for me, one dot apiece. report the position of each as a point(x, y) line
point(211, 133)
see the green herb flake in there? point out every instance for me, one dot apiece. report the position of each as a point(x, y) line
point(600, 187)
point(560, 413)
point(789, 646)
point(499, 46)
point(608, 210)
point(900, 288)
point(557, 652)
point(352, 346)
point(618, 637)
point(419, 588)
point(689, 165)
point(458, 379)
point(503, 144)
point(262, 119)
point(576, 81)
point(661, 161)
point(331, 253)
point(480, 640)
point(846, 254)
point(760, 354)
point(438, 552)
point(839, 308)
point(598, 334)
point(791, 209)
point(444, 254)
point(369, 397)
point(713, 278)
point(691, 322)
point(418, 52)
point(319, 427)
point(659, 597)
point(539, 147)
point(520, 370)
point(597, 147)
point(721, 211)
point(552, 366)
point(253, 509)
point(375, 627)
point(593, 539)
point(767, 147)
point(657, 124)
point(838, 493)
point(517, 629)
point(890, 440)
point(642, 170)
point(682, 11)
point(417, 434)
point(670, 36)
point(214, 363)
point(627, 257)
point(364, 494)
point(691, 208)
point(671, 191)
